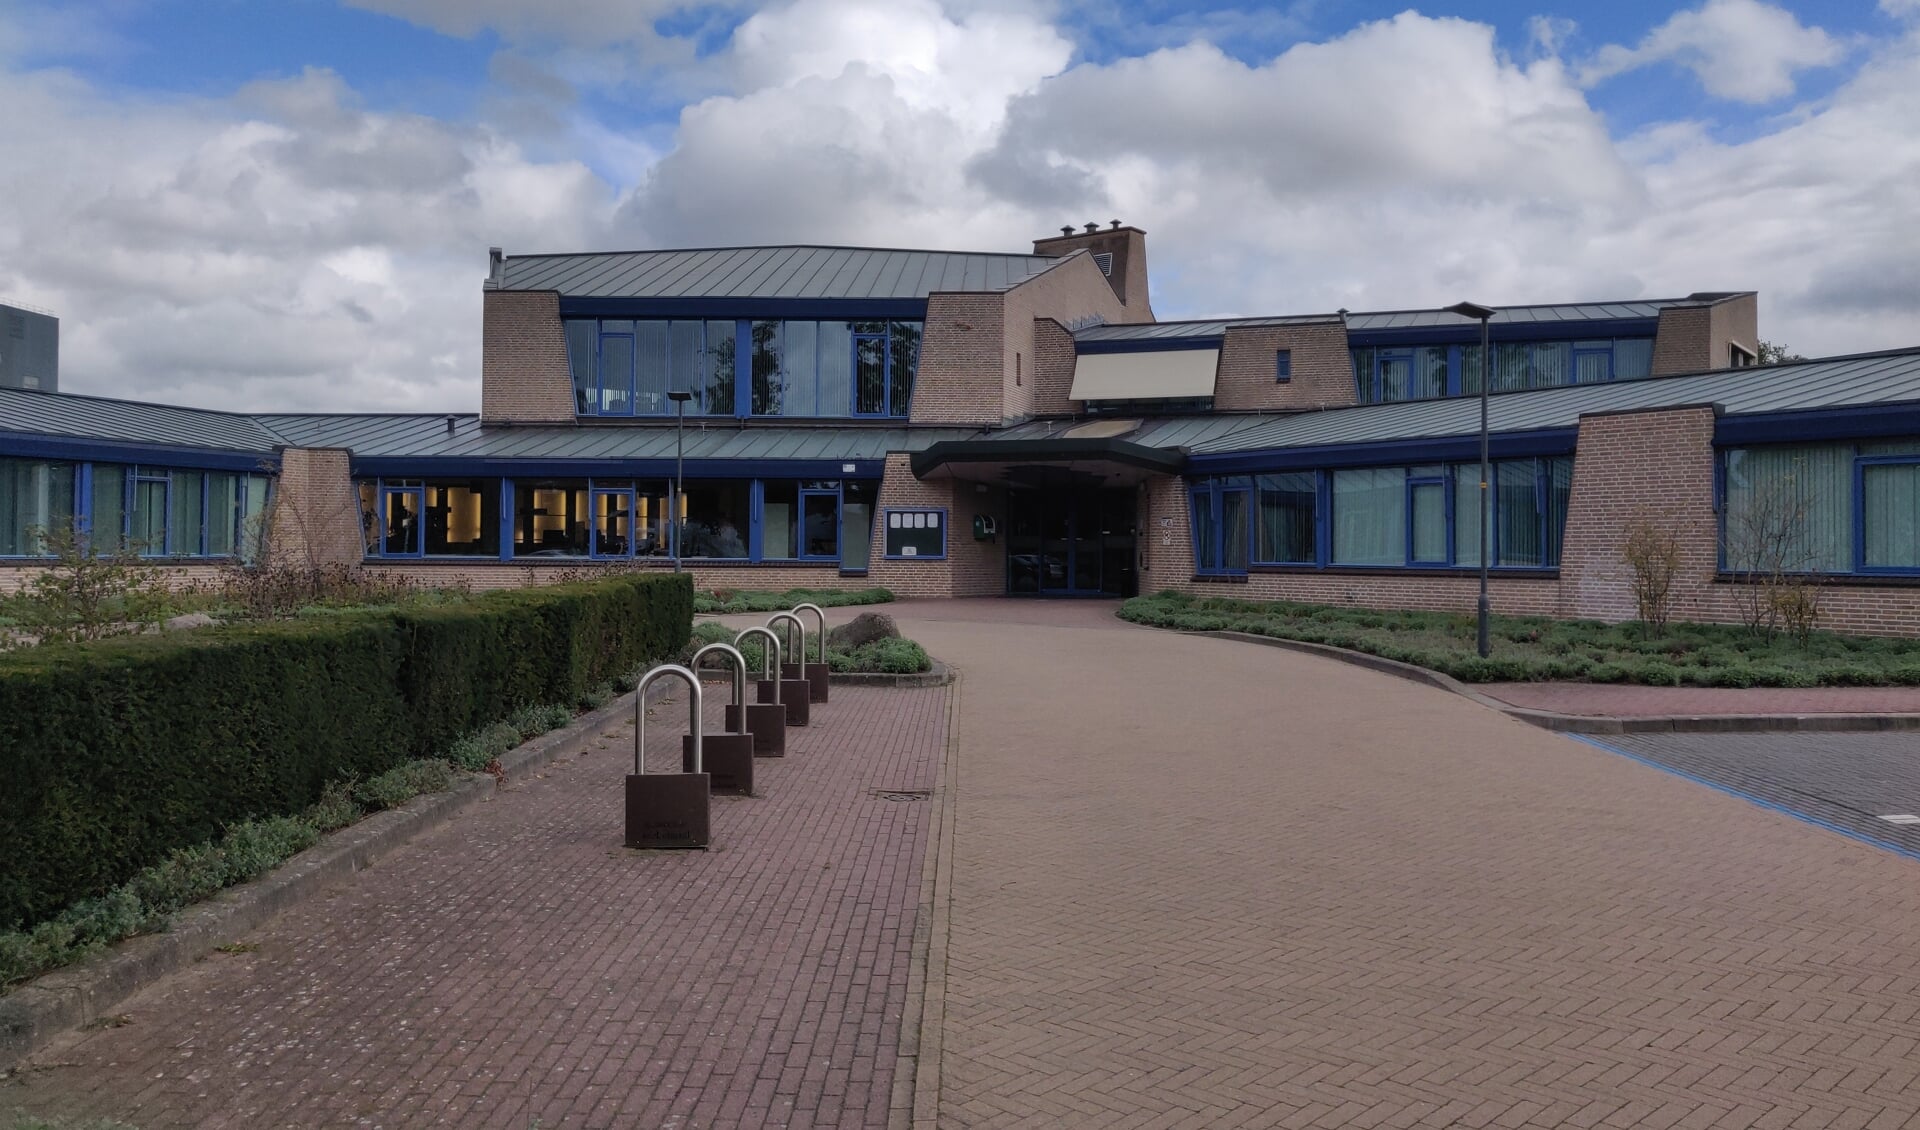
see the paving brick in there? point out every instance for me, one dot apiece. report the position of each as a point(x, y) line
point(518, 964)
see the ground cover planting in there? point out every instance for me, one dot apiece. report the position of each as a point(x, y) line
point(1536, 649)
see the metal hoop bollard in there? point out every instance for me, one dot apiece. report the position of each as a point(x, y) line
point(795, 691)
point(727, 758)
point(667, 810)
point(816, 674)
point(767, 722)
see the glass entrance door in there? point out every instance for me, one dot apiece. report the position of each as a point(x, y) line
point(1067, 539)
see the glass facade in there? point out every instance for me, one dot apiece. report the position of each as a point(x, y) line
point(824, 520)
point(154, 511)
point(1383, 374)
point(1821, 508)
point(796, 368)
point(1421, 516)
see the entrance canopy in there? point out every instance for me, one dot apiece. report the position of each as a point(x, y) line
point(1107, 460)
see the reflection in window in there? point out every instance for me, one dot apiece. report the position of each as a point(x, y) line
point(35, 496)
point(795, 368)
point(1386, 374)
point(856, 524)
point(1288, 503)
point(1369, 516)
point(107, 526)
point(714, 518)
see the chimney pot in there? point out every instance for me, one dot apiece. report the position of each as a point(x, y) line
point(1116, 223)
point(1068, 230)
point(1092, 227)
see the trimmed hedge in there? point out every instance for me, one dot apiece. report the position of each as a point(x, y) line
point(117, 752)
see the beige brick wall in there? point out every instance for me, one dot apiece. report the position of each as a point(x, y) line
point(1322, 369)
point(972, 568)
point(1166, 540)
point(1073, 290)
point(1681, 343)
point(1050, 371)
point(1128, 246)
point(523, 359)
point(960, 377)
point(1735, 321)
point(315, 518)
point(17, 576)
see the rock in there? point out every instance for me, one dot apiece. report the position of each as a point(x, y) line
point(861, 630)
point(190, 621)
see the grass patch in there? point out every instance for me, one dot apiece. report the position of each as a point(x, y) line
point(746, 600)
point(1539, 649)
point(892, 657)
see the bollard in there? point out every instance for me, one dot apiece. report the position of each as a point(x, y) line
point(727, 758)
point(667, 810)
point(816, 674)
point(767, 722)
point(795, 691)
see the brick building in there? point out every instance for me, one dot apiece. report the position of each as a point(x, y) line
point(961, 424)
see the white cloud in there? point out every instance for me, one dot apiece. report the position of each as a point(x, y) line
point(285, 247)
point(1743, 50)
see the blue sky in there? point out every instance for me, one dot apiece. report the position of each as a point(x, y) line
point(297, 195)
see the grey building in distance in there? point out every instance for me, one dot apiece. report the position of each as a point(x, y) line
point(29, 349)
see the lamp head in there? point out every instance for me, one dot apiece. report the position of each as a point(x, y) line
point(1471, 310)
point(679, 396)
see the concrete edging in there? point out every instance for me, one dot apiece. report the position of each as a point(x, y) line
point(1591, 724)
point(915, 1103)
point(37, 1012)
point(940, 676)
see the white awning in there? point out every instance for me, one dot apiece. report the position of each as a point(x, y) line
point(1159, 374)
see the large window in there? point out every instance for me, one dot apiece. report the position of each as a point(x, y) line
point(715, 518)
point(1425, 516)
point(1384, 374)
point(1821, 508)
point(155, 511)
point(36, 497)
point(800, 368)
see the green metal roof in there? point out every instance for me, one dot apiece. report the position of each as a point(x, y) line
point(71, 416)
point(1862, 380)
point(798, 272)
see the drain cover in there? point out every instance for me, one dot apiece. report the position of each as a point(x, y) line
point(902, 794)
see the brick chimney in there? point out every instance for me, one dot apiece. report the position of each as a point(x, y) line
point(1121, 251)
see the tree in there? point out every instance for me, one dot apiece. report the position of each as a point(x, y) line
point(1772, 354)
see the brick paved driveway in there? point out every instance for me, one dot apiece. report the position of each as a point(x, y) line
point(517, 967)
point(1203, 883)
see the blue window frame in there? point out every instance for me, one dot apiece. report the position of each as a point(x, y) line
point(743, 367)
point(614, 513)
point(1282, 366)
point(1381, 517)
point(1820, 508)
point(1221, 518)
point(1387, 374)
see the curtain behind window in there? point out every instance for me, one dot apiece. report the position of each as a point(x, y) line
point(1789, 508)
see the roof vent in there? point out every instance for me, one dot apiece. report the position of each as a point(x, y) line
point(1067, 230)
point(496, 266)
point(1116, 224)
point(1104, 261)
point(451, 422)
point(1092, 227)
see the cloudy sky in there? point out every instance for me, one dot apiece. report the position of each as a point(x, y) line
point(287, 203)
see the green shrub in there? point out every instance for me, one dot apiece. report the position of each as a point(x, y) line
point(894, 657)
point(117, 752)
point(727, 602)
point(402, 783)
point(595, 697)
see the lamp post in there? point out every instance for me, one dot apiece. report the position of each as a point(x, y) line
point(679, 398)
point(1483, 313)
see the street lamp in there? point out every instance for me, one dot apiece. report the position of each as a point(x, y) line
point(1483, 313)
point(679, 398)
